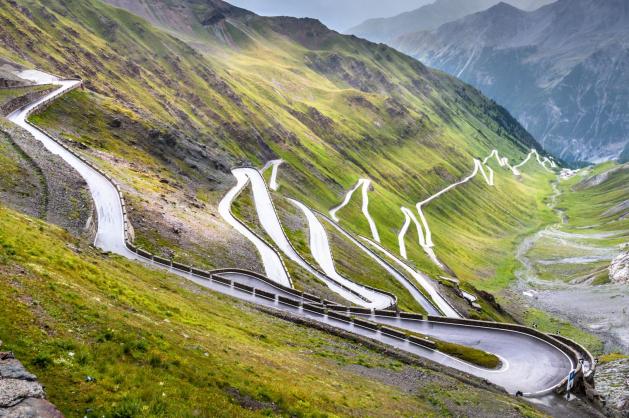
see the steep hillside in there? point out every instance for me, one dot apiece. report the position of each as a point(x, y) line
point(168, 109)
point(624, 157)
point(430, 17)
point(33, 181)
point(561, 70)
point(167, 119)
point(109, 337)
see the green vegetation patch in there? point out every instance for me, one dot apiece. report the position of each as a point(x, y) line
point(608, 358)
point(546, 323)
point(107, 336)
point(471, 355)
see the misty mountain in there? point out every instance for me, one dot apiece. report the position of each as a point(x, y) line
point(562, 70)
point(430, 17)
point(336, 14)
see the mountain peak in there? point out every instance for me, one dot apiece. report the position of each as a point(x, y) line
point(431, 16)
point(553, 58)
point(504, 9)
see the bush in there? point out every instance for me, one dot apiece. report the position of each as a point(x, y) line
point(128, 408)
point(42, 360)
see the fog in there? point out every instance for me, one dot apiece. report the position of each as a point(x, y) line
point(336, 14)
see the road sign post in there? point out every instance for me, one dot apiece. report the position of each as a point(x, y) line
point(571, 377)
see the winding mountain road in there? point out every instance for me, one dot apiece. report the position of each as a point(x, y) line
point(322, 253)
point(269, 220)
point(530, 365)
point(271, 261)
point(409, 217)
point(422, 280)
point(274, 165)
point(364, 184)
point(516, 169)
point(425, 233)
point(478, 167)
point(110, 235)
point(410, 287)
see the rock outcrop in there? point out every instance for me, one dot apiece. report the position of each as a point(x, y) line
point(619, 269)
point(560, 70)
point(8, 79)
point(21, 395)
point(18, 102)
point(598, 179)
point(612, 381)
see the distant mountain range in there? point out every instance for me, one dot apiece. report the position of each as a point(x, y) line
point(336, 14)
point(561, 70)
point(430, 17)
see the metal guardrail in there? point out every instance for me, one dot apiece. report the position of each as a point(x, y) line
point(585, 355)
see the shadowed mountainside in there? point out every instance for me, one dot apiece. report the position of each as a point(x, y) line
point(430, 17)
point(561, 70)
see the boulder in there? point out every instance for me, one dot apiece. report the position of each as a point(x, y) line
point(619, 269)
point(14, 391)
point(31, 408)
point(11, 368)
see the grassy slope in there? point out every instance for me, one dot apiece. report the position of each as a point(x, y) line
point(476, 228)
point(406, 171)
point(303, 280)
point(6, 95)
point(160, 347)
point(586, 207)
point(351, 262)
point(410, 129)
point(589, 212)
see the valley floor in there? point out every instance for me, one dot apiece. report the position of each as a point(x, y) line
point(566, 267)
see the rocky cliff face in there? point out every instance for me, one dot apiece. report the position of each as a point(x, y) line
point(8, 79)
point(612, 381)
point(619, 269)
point(52, 190)
point(430, 17)
point(562, 70)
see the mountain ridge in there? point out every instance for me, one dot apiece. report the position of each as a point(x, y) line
point(429, 17)
point(552, 60)
point(169, 108)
